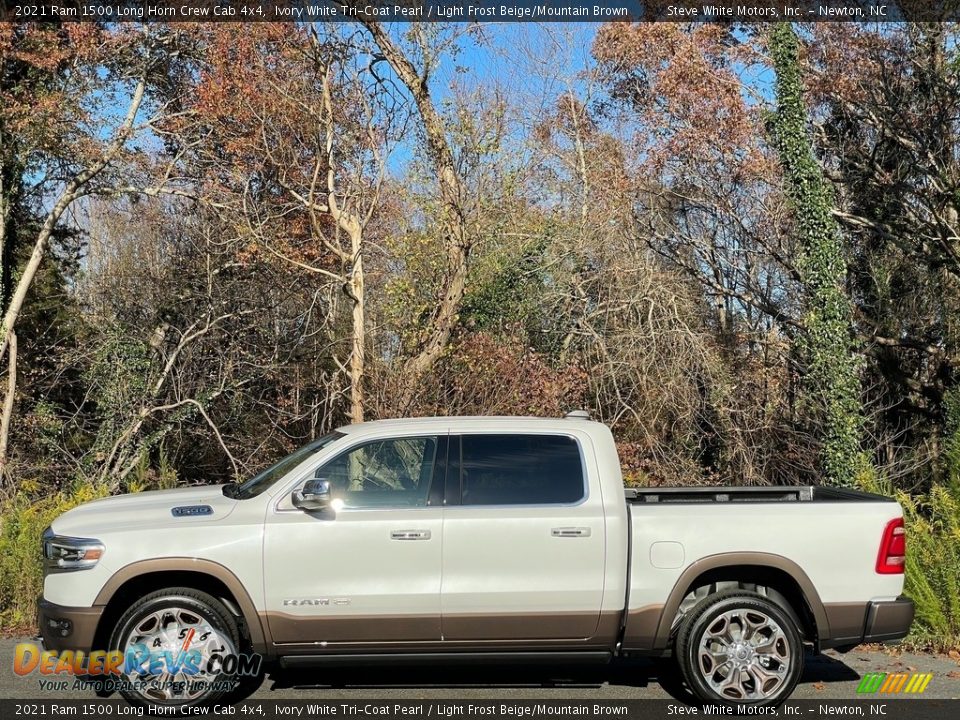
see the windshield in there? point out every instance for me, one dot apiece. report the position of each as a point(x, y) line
point(257, 484)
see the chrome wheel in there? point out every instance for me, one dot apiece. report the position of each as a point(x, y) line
point(177, 656)
point(744, 654)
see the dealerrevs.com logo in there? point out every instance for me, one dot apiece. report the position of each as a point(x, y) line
point(167, 674)
point(894, 683)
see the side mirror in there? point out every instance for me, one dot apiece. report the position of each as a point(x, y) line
point(314, 495)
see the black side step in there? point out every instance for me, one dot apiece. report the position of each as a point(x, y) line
point(353, 660)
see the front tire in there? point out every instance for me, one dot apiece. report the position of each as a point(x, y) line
point(740, 648)
point(181, 629)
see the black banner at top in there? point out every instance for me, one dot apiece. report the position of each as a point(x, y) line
point(881, 707)
point(479, 10)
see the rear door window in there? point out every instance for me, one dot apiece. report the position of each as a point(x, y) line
point(521, 470)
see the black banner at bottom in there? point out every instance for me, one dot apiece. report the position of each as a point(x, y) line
point(361, 709)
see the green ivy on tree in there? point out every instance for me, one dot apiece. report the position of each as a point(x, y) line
point(832, 381)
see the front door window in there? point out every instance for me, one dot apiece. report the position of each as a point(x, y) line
point(383, 473)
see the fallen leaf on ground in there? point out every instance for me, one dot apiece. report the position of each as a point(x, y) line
point(955, 674)
point(819, 686)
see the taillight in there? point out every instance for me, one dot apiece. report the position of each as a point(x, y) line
point(893, 548)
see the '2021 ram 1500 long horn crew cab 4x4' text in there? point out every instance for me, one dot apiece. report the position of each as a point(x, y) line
point(478, 538)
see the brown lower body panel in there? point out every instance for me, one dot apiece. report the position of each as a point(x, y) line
point(846, 621)
point(847, 624)
point(68, 628)
point(531, 626)
point(287, 628)
point(888, 620)
point(392, 633)
point(855, 623)
point(641, 628)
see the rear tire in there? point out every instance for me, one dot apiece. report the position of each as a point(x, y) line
point(740, 648)
point(178, 621)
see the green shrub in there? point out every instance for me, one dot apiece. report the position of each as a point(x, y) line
point(147, 477)
point(933, 560)
point(950, 465)
point(22, 520)
point(933, 565)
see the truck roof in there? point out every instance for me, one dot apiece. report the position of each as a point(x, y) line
point(475, 422)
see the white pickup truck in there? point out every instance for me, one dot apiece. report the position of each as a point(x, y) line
point(481, 539)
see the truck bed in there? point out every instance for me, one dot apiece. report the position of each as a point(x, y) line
point(760, 494)
point(826, 538)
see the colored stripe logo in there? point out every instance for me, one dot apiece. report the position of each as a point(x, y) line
point(893, 683)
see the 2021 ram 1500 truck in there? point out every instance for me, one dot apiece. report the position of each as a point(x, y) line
point(480, 538)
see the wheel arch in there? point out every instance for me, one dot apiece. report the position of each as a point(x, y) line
point(775, 572)
point(140, 578)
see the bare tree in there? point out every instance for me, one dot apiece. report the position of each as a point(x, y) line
point(76, 187)
point(316, 133)
point(454, 220)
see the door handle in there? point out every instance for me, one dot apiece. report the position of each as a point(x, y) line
point(570, 532)
point(410, 535)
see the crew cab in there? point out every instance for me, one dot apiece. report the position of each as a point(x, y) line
point(489, 539)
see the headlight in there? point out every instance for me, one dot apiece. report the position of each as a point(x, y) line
point(70, 553)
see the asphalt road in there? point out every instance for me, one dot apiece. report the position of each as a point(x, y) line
point(829, 676)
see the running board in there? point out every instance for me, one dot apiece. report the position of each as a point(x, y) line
point(354, 660)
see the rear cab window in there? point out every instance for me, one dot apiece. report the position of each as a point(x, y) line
point(519, 469)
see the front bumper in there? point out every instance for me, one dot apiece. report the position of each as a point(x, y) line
point(68, 628)
point(887, 621)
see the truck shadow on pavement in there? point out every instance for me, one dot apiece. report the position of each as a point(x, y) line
point(653, 678)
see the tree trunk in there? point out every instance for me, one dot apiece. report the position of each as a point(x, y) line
point(831, 359)
point(359, 339)
point(443, 320)
point(70, 193)
point(73, 189)
point(8, 401)
point(353, 223)
point(5, 207)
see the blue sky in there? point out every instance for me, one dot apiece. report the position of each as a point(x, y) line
point(530, 64)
